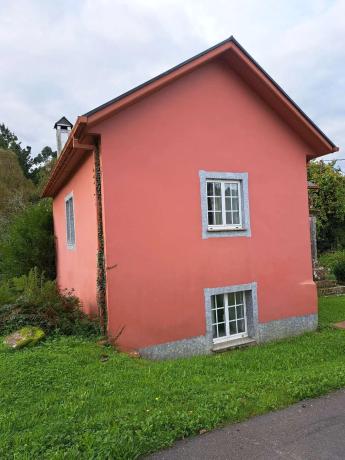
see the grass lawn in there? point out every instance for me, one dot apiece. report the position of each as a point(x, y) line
point(60, 401)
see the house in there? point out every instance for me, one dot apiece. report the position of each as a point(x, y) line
point(181, 209)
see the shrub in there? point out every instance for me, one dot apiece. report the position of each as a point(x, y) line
point(339, 271)
point(29, 242)
point(331, 258)
point(36, 301)
point(6, 293)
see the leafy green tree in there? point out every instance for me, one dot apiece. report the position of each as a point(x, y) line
point(329, 202)
point(43, 163)
point(43, 175)
point(16, 190)
point(45, 156)
point(29, 242)
point(31, 166)
point(9, 141)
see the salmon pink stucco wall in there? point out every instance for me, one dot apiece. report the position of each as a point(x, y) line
point(77, 267)
point(152, 153)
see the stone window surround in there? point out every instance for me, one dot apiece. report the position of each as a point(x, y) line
point(70, 245)
point(250, 291)
point(243, 178)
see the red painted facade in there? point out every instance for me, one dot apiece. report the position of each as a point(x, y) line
point(77, 268)
point(151, 157)
point(151, 153)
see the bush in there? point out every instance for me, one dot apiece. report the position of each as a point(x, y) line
point(29, 242)
point(339, 271)
point(32, 300)
point(329, 201)
point(331, 258)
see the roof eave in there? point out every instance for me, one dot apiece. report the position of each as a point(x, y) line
point(321, 143)
point(64, 157)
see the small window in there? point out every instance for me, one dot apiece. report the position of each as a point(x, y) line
point(224, 209)
point(224, 204)
point(70, 228)
point(229, 320)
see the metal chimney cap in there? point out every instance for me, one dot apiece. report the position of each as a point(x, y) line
point(63, 123)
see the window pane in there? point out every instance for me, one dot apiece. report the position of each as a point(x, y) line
point(229, 218)
point(220, 315)
point(214, 316)
point(231, 298)
point(241, 325)
point(213, 303)
point(210, 218)
point(220, 300)
point(227, 189)
point(217, 188)
point(240, 311)
point(239, 297)
point(214, 331)
point(71, 221)
point(67, 220)
point(218, 204)
point(232, 326)
point(72, 225)
point(236, 217)
point(70, 230)
point(235, 204)
point(219, 220)
point(210, 204)
point(234, 189)
point(221, 330)
point(232, 313)
point(228, 204)
point(209, 188)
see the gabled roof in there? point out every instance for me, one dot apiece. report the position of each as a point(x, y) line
point(63, 122)
point(240, 60)
point(231, 39)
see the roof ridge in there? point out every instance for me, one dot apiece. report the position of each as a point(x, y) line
point(157, 77)
point(230, 39)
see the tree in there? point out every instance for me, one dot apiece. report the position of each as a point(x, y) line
point(28, 242)
point(329, 202)
point(43, 163)
point(9, 141)
point(45, 156)
point(16, 190)
point(31, 166)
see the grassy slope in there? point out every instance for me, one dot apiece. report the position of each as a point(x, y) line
point(59, 400)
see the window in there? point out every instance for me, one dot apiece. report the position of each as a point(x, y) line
point(70, 229)
point(224, 204)
point(231, 313)
point(229, 320)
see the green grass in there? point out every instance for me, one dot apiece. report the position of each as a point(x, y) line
point(60, 401)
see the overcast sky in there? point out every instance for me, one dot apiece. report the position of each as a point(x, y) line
point(65, 57)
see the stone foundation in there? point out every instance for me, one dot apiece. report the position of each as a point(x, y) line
point(202, 345)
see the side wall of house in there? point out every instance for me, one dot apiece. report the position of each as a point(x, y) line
point(77, 267)
point(152, 154)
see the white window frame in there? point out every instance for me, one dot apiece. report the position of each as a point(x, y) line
point(230, 230)
point(70, 244)
point(217, 227)
point(227, 337)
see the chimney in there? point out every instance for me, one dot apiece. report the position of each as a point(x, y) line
point(63, 128)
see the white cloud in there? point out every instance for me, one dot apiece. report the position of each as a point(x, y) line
point(66, 57)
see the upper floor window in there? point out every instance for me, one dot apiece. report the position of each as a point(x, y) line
point(224, 204)
point(70, 228)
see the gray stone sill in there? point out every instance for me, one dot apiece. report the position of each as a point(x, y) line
point(241, 229)
point(229, 344)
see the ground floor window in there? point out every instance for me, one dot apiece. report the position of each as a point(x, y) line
point(229, 320)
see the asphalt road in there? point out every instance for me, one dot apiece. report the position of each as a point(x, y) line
point(310, 430)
